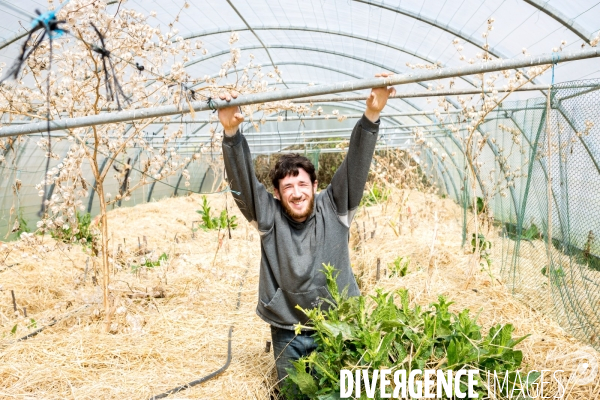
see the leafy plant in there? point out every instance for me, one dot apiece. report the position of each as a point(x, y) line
point(374, 332)
point(485, 248)
point(81, 233)
point(209, 222)
point(148, 263)
point(556, 273)
point(400, 266)
point(375, 195)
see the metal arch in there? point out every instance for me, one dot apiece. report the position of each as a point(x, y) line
point(305, 29)
point(496, 153)
point(443, 172)
point(558, 16)
point(524, 136)
point(435, 23)
point(254, 33)
point(458, 171)
point(316, 49)
point(447, 28)
point(311, 29)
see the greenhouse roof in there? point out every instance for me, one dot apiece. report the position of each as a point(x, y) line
point(329, 41)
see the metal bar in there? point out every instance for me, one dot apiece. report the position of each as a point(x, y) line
point(433, 21)
point(255, 35)
point(13, 39)
point(294, 93)
point(288, 118)
point(455, 92)
point(352, 35)
point(335, 150)
point(557, 15)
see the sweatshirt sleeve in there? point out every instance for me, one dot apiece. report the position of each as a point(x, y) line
point(254, 201)
point(348, 183)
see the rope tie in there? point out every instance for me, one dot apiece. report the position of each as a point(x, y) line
point(211, 104)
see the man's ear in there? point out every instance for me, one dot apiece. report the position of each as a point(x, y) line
point(276, 193)
point(315, 185)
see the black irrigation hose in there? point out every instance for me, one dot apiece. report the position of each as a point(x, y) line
point(54, 322)
point(220, 370)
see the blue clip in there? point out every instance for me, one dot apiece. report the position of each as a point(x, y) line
point(49, 22)
point(554, 62)
point(229, 190)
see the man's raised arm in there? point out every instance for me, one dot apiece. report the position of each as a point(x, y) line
point(348, 183)
point(253, 200)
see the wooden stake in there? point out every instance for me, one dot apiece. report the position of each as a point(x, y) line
point(85, 272)
point(12, 293)
point(25, 312)
point(378, 268)
point(268, 346)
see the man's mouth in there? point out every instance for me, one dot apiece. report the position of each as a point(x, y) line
point(297, 203)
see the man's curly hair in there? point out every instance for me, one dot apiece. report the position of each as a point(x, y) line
point(288, 164)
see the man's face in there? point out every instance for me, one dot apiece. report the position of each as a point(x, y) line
point(296, 194)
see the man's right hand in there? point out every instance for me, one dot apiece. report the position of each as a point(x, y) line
point(230, 117)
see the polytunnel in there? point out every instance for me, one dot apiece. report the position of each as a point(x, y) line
point(496, 107)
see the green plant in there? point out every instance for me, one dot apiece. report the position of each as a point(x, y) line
point(374, 332)
point(400, 266)
point(148, 263)
point(223, 221)
point(82, 233)
point(374, 195)
point(485, 248)
point(556, 273)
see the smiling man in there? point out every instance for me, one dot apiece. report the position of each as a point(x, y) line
point(300, 229)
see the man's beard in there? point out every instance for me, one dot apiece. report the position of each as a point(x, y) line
point(305, 214)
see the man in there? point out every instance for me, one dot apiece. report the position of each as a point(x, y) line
point(299, 229)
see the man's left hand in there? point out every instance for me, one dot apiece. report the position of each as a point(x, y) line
point(378, 99)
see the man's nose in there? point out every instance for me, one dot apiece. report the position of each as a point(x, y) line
point(297, 192)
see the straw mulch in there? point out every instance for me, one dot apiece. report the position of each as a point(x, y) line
point(170, 322)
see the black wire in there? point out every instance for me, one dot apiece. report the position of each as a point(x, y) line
point(110, 81)
point(220, 370)
point(211, 104)
point(52, 323)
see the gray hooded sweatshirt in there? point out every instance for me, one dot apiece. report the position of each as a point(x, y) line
point(293, 253)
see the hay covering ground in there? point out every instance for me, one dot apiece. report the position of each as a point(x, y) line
point(158, 343)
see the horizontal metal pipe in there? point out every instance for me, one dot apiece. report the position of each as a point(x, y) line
point(436, 93)
point(294, 93)
point(298, 118)
point(339, 150)
point(451, 92)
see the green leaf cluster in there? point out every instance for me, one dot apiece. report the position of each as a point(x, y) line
point(400, 266)
point(150, 264)
point(485, 248)
point(375, 195)
point(82, 234)
point(385, 331)
point(209, 222)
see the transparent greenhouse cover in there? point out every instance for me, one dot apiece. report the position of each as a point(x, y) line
point(319, 42)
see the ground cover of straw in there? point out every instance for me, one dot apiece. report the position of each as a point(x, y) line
point(158, 343)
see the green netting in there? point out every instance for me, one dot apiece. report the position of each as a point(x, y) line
point(557, 270)
point(563, 275)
